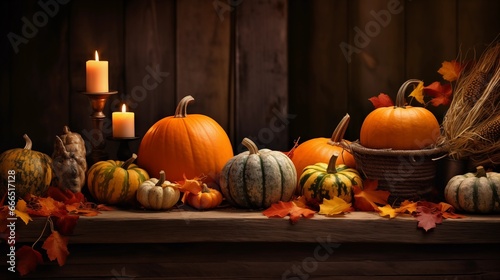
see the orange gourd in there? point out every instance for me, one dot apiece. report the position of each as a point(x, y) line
point(399, 127)
point(185, 146)
point(321, 149)
point(208, 198)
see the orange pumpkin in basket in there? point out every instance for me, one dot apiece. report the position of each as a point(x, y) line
point(185, 145)
point(399, 127)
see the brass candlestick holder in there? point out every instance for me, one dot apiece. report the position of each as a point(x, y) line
point(98, 102)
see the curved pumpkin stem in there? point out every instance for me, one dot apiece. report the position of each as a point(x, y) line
point(332, 165)
point(66, 130)
point(338, 133)
point(162, 179)
point(250, 146)
point(181, 110)
point(400, 97)
point(129, 161)
point(480, 172)
point(205, 188)
point(29, 144)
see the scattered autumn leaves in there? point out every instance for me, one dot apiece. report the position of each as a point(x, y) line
point(369, 199)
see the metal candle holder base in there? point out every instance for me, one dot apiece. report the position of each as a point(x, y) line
point(98, 102)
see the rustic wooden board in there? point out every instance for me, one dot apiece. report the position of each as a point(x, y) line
point(149, 63)
point(275, 261)
point(261, 101)
point(317, 67)
point(232, 225)
point(203, 58)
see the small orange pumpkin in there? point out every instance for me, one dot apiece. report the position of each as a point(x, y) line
point(399, 127)
point(208, 198)
point(321, 149)
point(185, 146)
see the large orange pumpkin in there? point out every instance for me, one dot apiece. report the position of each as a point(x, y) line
point(185, 145)
point(321, 149)
point(399, 127)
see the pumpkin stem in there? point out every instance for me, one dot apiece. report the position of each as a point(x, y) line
point(400, 97)
point(338, 133)
point(28, 142)
point(250, 146)
point(66, 130)
point(205, 188)
point(181, 110)
point(480, 172)
point(129, 161)
point(332, 165)
point(162, 178)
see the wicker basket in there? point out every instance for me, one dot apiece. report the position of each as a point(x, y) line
point(406, 174)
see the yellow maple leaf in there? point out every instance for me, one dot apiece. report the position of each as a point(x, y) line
point(418, 93)
point(335, 206)
point(21, 211)
point(450, 70)
point(387, 210)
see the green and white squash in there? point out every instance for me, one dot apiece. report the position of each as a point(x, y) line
point(158, 194)
point(474, 192)
point(28, 170)
point(115, 182)
point(255, 179)
point(321, 180)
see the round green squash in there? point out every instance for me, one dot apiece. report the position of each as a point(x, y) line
point(474, 192)
point(321, 180)
point(255, 179)
point(28, 170)
point(115, 182)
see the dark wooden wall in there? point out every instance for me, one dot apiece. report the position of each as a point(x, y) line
point(269, 69)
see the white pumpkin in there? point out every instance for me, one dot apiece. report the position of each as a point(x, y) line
point(158, 194)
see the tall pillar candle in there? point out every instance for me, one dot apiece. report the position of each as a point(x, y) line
point(123, 124)
point(97, 75)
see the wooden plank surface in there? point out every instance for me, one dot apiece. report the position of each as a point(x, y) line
point(233, 225)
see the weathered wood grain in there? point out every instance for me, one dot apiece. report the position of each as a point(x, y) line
point(261, 85)
point(231, 225)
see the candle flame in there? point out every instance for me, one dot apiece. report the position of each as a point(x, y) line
point(124, 108)
point(96, 56)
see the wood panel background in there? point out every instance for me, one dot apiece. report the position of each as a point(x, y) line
point(272, 70)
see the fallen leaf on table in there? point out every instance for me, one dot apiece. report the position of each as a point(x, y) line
point(65, 224)
point(282, 209)
point(367, 198)
point(27, 259)
point(407, 206)
point(334, 206)
point(387, 210)
point(428, 217)
point(45, 206)
point(57, 247)
point(21, 209)
point(448, 211)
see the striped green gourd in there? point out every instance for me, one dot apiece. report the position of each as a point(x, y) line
point(255, 179)
point(321, 180)
point(474, 192)
point(115, 182)
point(29, 171)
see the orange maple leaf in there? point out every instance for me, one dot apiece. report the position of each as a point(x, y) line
point(282, 209)
point(28, 259)
point(407, 206)
point(366, 199)
point(387, 210)
point(56, 246)
point(334, 206)
point(450, 70)
point(193, 186)
point(382, 100)
point(45, 206)
point(441, 94)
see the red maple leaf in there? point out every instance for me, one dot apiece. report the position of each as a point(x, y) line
point(27, 259)
point(57, 247)
point(65, 224)
point(441, 94)
point(65, 196)
point(282, 209)
point(382, 100)
point(428, 215)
